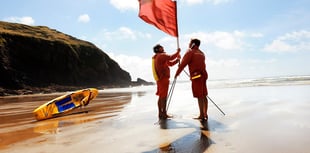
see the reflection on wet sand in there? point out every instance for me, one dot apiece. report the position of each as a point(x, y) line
point(197, 141)
point(17, 118)
point(11, 137)
point(122, 120)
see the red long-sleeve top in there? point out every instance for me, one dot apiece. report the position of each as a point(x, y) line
point(195, 59)
point(162, 63)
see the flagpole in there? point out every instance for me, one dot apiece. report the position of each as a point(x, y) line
point(177, 26)
point(178, 46)
point(159, 14)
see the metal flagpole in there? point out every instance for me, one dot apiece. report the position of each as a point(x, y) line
point(210, 98)
point(170, 93)
point(178, 46)
point(216, 106)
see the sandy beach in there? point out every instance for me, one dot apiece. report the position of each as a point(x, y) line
point(268, 118)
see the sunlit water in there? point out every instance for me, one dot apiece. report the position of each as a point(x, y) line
point(262, 115)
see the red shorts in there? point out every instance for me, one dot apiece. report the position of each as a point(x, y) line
point(199, 87)
point(162, 87)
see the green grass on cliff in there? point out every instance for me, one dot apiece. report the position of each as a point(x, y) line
point(41, 32)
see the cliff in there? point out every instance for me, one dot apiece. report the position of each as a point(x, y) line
point(39, 58)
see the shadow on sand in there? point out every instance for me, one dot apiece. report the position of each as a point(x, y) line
point(196, 142)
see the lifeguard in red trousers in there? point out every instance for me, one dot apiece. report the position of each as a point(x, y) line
point(161, 72)
point(195, 59)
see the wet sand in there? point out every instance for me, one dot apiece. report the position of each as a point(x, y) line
point(269, 119)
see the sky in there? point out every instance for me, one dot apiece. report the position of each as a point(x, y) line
point(240, 38)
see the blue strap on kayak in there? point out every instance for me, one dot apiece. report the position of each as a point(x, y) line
point(62, 106)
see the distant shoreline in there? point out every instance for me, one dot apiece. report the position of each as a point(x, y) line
point(221, 83)
point(28, 90)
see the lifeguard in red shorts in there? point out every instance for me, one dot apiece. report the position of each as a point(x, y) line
point(161, 72)
point(195, 59)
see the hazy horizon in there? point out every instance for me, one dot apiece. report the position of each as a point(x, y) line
point(241, 39)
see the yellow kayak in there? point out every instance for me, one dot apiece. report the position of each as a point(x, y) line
point(65, 103)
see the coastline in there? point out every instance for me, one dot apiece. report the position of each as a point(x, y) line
point(258, 119)
point(222, 83)
point(28, 90)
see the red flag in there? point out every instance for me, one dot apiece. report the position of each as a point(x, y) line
point(160, 13)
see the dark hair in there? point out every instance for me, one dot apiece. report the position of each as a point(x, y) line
point(156, 48)
point(196, 42)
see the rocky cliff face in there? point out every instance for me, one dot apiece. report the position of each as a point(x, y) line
point(37, 56)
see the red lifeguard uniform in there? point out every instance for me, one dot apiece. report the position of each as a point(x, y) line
point(161, 71)
point(195, 59)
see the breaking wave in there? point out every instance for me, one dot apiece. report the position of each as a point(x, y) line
point(267, 81)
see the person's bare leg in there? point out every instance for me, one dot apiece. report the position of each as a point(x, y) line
point(162, 113)
point(164, 105)
point(205, 108)
point(201, 107)
point(159, 108)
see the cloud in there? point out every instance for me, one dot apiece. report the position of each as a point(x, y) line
point(224, 68)
point(261, 61)
point(228, 63)
point(219, 68)
point(23, 20)
point(136, 66)
point(234, 68)
point(193, 2)
point(139, 67)
point(84, 18)
point(142, 67)
point(225, 40)
point(214, 2)
point(124, 33)
point(290, 42)
point(256, 35)
point(279, 46)
point(124, 5)
point(220, 39)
